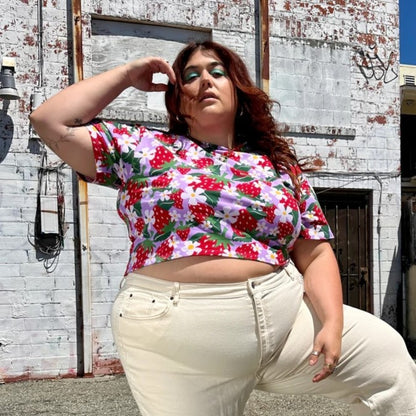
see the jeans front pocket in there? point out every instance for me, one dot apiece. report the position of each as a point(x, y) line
point(140, 304)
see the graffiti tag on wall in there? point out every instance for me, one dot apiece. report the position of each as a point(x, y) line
point(372, 66)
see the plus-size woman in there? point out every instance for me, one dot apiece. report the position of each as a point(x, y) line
point(231, 282)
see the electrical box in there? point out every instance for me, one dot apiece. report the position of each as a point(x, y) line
point(49, 214)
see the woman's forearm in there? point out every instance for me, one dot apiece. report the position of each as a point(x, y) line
point(323, 288)
point(319, 267)
point(80, 102)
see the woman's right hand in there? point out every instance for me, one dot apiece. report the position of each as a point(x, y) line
point(140, 73)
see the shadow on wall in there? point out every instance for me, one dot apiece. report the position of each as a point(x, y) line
point(6, 131)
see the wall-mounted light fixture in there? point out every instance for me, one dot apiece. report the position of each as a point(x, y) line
point(8, 89)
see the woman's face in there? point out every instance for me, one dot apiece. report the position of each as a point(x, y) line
point(208, 95)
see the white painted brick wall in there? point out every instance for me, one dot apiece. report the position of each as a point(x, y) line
point(312, 74)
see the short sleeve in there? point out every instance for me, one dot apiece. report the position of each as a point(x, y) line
point(111, 141)
point(314, 225)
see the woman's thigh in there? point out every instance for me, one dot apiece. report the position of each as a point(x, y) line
point(195, 349)
point(195, 356)
point(374, 368)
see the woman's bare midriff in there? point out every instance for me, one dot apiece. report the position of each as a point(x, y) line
point(207, 269)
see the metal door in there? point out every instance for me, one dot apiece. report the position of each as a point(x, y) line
point(348, 214)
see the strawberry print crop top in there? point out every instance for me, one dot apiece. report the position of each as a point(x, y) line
point(180, 198)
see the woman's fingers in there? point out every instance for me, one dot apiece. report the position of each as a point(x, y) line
point(141, 73)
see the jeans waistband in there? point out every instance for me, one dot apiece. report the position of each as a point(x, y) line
point(234, 289)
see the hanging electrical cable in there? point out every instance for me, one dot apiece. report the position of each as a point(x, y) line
point(49, 228)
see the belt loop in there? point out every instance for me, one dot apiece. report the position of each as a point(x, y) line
point(122, 281)
point(175, 293)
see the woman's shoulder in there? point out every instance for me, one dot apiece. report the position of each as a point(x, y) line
point(122, 129)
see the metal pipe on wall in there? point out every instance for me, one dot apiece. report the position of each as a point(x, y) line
point(81, 192)
point(264, 45)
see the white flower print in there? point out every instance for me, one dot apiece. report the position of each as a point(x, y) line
point(284, 213)
point(261, 227)
point(145, 154)
point(310, 216)
point(148, 217)
point(191, 247)
point(227, 253)
point(195, 152)
point(124, 197)
point(126, 143)
point(165, 195)
point(172, 174)
point(188, 216)
point(228, 214)
point(175, 215)
point(271, 256)
point(316, 233)
point(277, 193)
point(193, 195)
point(188, 179)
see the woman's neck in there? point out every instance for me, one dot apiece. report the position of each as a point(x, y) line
point(218, 136)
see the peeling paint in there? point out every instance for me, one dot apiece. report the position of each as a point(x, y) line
point(377, 119)
point(107, 366)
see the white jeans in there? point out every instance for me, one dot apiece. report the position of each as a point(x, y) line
point(200, 349)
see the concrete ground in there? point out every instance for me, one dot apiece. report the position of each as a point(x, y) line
point(110, 396)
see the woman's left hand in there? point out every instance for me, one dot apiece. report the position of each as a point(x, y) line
point(328, 343)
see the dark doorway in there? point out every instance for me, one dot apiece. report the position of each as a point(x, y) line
point(348, 213)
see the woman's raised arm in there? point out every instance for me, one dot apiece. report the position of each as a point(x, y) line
point(59, 121)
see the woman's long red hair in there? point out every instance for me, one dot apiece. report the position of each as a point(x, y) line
point(254, 123)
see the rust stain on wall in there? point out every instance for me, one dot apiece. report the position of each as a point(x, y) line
point(377, 119)
point(29, 40)
point(28, 376)
point(317, 162)
point(107, 366)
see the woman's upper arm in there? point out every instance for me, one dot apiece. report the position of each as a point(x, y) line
point(305, 251)
point(72, 144)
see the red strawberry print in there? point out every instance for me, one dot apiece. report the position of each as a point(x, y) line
point(265, 163)
point(162, 219)
point(302, 206)
point(290, 201)
point(210, 246)
point(247, 251)
point(207, 183)
point(305, 187)
point(280, 257)
point(135, 191)
point(121, 131)
point(139, 225)
point(245, 221)
point(249, 188)
point(183, 233)
point(177, 199)
point(285, 229)
point(204, 162)
point(162, 156)
point(317, 212)
point(233, 155)
point(238, 172)
point(165, 250)
point(183, 170)
point(161, 181)
point(141, 256)
point(201, 211)
point(269, 210)
point(165, 138)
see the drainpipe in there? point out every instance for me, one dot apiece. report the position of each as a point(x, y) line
point(84, 303)
point(264, 45)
